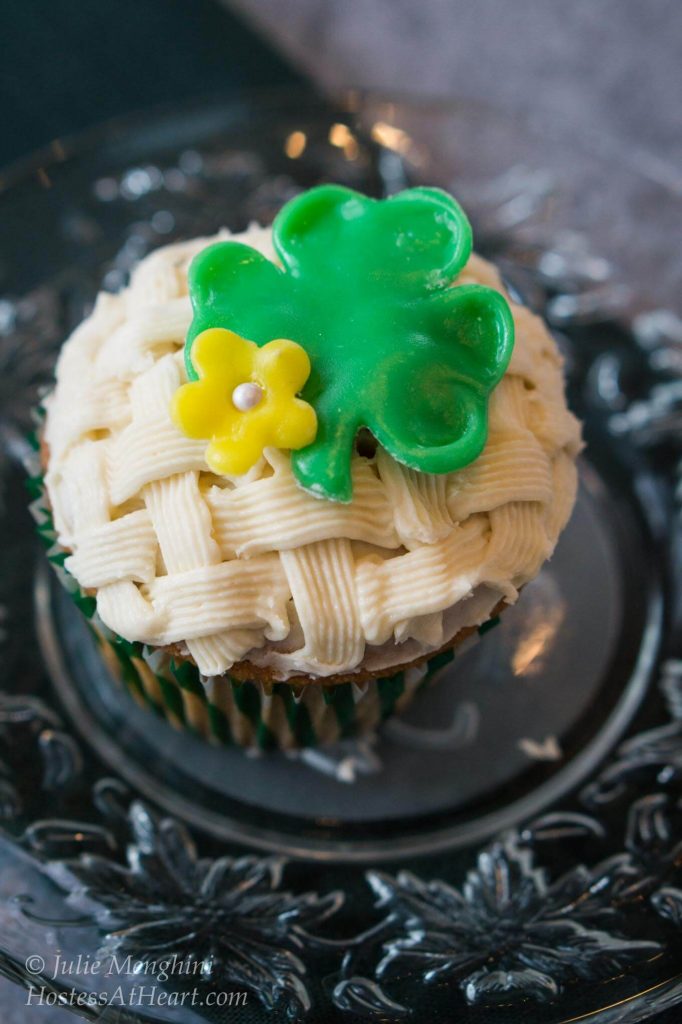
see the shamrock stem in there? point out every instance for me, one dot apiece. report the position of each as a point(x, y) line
point(323, 468)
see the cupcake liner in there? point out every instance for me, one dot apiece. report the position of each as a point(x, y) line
point(227, 711)
point(254, 714)
point(266, 716)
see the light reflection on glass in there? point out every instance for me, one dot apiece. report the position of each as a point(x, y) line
point(294, 144)
point(342, 137)
point(537, 639)
point(398, 140)
point(391, 137)
point(106, 189)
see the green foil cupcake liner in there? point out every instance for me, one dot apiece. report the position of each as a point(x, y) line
point(221, 709)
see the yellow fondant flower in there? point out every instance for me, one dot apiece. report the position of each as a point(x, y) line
point(245, 399)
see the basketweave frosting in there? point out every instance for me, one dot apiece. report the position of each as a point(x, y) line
point(255, 567)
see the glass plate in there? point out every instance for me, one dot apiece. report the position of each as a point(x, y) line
point(532, 798)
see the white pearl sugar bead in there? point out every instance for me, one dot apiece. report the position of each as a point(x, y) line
point(247, 396)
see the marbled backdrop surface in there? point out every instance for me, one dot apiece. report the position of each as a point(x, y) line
point(611, 65)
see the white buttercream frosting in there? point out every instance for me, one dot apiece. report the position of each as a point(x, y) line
point(255, 567)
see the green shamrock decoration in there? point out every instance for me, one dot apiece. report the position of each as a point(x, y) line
point(365, 287)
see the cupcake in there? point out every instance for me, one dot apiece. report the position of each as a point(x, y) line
point(287, 473)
